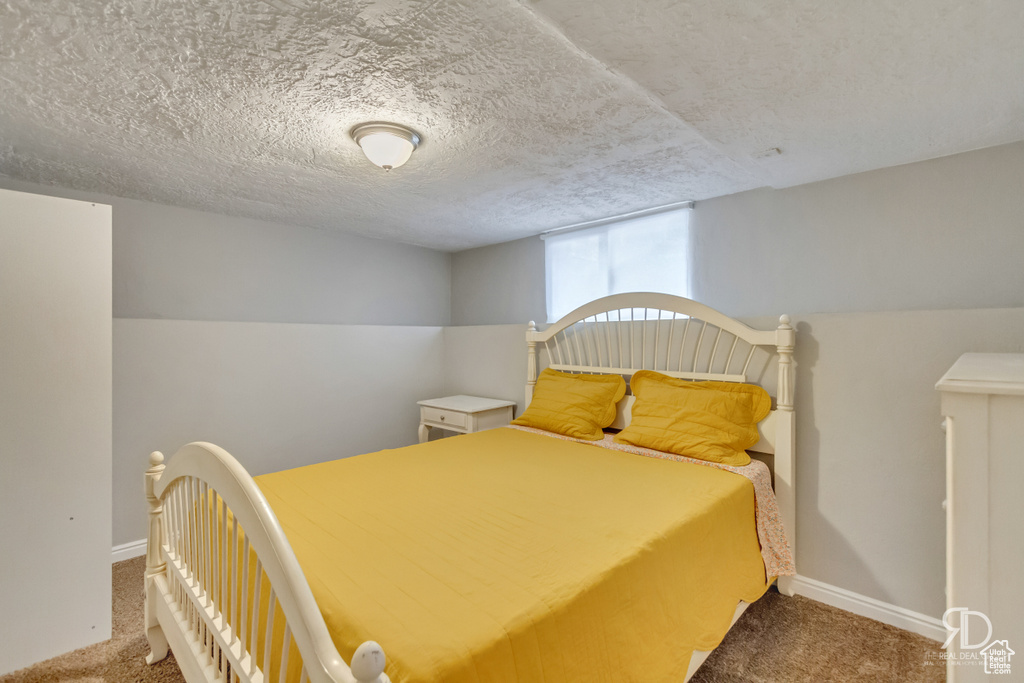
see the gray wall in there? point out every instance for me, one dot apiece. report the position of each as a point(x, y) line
point(946, 233)
point(180, 264)
point(869, 266)
point(502, 283)
point(190, 265)
point(486, 360)
point(890, 276)
point(870, 454)
point(275, 395)
point(263, 338)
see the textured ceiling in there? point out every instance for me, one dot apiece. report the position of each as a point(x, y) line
point(533, 115)
point(838, 87)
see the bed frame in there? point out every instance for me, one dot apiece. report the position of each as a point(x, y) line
point(212, 533)
point(623, 333)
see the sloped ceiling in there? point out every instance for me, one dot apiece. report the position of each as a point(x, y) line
point(533, 115)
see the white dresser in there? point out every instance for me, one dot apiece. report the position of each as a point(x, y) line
point(983, 405)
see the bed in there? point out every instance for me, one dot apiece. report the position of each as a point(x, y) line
point(507, 555)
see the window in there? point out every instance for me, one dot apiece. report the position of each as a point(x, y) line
point(646, 254)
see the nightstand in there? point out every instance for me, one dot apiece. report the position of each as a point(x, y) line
point(463, 414)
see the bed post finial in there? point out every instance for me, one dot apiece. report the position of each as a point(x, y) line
point(368, 663)
point(155, 564)
point(786, 341)
point(531, 361)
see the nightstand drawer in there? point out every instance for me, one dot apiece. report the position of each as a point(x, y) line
point(464, 414)
point(444, 417)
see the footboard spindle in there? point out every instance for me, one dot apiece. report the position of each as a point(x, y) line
point(224, 590)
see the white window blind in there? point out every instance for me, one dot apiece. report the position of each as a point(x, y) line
point(646, 254)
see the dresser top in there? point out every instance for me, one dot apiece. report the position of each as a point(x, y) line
point(985, 373)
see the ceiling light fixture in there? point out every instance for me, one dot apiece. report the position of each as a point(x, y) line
point(387, 145)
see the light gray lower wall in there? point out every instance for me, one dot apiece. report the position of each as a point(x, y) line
point(174, 263)
point(486, 360)
point(870, 453)
point(274, 395)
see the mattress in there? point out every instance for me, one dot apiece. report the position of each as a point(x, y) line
point(508, 555)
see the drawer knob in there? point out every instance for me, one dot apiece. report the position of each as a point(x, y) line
point(945, 505)
point(442, 418)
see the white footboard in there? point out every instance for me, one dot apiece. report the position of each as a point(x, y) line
point(223, 587)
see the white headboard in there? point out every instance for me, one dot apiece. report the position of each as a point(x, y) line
point(623, 333)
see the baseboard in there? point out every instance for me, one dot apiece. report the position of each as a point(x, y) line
point(922, 624)
point(127, 551)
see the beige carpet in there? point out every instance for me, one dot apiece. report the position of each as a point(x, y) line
point(797, 639)
point(777, 640)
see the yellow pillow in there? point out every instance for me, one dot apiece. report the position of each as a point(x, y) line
point(574, 405)
point(714, 421)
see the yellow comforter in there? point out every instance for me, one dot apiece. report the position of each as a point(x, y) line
point(511, 556)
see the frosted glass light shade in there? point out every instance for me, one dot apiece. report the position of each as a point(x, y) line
point(386, 144)
point(386, 150)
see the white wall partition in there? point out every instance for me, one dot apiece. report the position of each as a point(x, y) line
point(55, 426)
